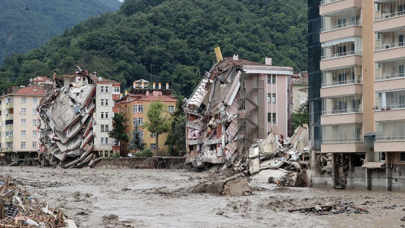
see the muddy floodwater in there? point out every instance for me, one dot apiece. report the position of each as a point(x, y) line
point(157, 198)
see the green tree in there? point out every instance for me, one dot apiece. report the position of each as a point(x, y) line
point(177, 136)
point(136, 141)
point(158, 121)
point(301, 116)
point(118, 131)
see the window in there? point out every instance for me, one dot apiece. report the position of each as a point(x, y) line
point(9, 100)
point(23, 111)
point(102, 89)
point(34, 122)
point(34, 133)
point(102, 102)
point(106, 115)
point(23, 122)
point(271, 98)
point(34, 100)
point(137, 121)
point(23, 100)
point(10, 122)
point(137, 109)
point(34, 111)
point(153, 146)
point(116, 89)
point(106, 102)
point(9, 133)
point(23, 145)
point(271, 79)
point(271, 117)
point(106, 89)
point(153, 135)
point(23, 133)
point(34, 144)
point(102, 115)
point(402, 157)
point(171, 109)
point(106, 141)
point(102, 141)
point(102, 128)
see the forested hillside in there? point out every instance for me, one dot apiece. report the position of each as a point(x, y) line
point(170, 41)
point(27, 24)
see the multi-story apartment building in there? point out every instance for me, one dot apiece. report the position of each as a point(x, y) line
point(362, 89)
point(235, 103)
point(135, 106)
point(107, 93)
point(19, 121)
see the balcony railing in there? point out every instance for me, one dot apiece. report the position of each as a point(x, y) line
point(342, 111)
point(389, 107)
point(342, 83)
point(388, 15)
point(390, 76)
point(324, 2)
point(344, 140)
point(341, 26)
point(390, 138)
point(390, 46)
point(340, 55)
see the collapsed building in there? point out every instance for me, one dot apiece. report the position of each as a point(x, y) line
point(68, 121)
point(228, 110)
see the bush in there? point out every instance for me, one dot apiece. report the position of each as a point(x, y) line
point(144, 154)
point(116, 155)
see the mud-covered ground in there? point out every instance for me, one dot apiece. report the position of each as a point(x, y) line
point(158, 198)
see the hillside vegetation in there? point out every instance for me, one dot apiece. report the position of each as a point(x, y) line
point(27, 24)
point(170, 41)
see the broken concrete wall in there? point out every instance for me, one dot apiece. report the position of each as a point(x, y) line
point(66, 121)
point(140, 163)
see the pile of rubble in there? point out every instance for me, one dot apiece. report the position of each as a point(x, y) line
point(281, 162)
point(337, 208)
point(66, 121)
point(19, 209)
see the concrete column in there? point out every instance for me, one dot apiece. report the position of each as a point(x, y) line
point(368, 178)
point(388, 169)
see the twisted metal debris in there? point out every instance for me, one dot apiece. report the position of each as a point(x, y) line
point(66, 121)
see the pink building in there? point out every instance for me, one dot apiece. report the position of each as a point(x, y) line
point(237, 102)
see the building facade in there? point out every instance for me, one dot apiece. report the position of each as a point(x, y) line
point(19, 122)
point(135, 106)
point(362, 86)
point(107, 93)
point(234, 104)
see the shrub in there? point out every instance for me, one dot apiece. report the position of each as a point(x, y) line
point(144, 154)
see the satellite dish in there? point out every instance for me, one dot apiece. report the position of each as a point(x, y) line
point(100, 78)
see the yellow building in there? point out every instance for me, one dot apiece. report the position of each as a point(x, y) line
point(135, 106)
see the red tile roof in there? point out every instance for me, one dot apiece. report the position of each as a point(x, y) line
point(33, 90)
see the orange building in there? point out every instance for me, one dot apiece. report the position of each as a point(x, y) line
point(135, 106)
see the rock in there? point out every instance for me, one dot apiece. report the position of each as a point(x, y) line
point(403, 218)
point(318, 208)
point(237, 187)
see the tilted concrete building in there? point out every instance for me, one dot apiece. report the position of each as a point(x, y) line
point(236, 102)
point(360, 89)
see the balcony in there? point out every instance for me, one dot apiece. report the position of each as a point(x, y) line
point(341, 53)
point(342, 138)
point(9, 105)
point(389, 14)
point(344, 118)
point(390, 135)
point(9, 116)
point(341, 31)
point(9, 149)
point(342, 105)
point(389, 44)
point(390, 105)
point(329, 6)
point(9, 139)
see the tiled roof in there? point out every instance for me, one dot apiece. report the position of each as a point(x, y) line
point(30, 90)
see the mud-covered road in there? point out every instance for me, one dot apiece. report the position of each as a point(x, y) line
point(157, 198)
